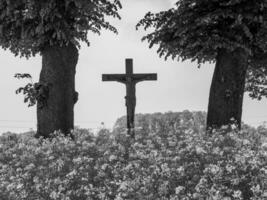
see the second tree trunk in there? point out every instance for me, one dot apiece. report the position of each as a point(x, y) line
point(227, 88)
point(57, 94)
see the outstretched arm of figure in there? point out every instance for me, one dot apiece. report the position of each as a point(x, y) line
point(114, 77)
point(145, 77)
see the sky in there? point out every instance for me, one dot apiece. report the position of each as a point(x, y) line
point(180, 86)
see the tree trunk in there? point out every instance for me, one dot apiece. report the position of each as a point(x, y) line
point(227, 89)
point(57, 94)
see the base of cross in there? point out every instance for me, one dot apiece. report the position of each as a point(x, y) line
point(131, 133)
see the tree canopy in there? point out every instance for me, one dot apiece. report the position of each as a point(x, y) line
point(195, 29)
point(256, 83)
point(27, 26)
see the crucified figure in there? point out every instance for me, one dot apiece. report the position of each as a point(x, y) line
point(130, 80)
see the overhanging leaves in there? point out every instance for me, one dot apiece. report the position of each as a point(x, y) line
point(26, 26)
point(195, 30)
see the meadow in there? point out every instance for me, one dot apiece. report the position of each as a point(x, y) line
point(171, 157)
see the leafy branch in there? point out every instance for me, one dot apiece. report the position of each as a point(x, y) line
point(33, 92)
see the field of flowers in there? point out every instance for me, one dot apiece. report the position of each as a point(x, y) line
point(165, 162)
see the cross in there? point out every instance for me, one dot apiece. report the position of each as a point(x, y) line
point(130, 80)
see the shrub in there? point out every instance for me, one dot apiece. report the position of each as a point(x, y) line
point(59, 168)
point(190, 165)
point(165, 122)
point(179, 164)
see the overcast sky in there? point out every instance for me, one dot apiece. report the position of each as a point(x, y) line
point(180, 86)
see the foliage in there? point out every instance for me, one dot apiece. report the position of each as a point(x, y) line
point(190, 165)
point(262, 129)
point(177, 164)
point(256, 83)
point(33, 92)
point(28, 26)
point(165, 122)
point(196, 29)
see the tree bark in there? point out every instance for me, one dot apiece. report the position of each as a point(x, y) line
point(57, 94)
point(227, 89)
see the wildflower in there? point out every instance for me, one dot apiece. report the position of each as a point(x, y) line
point(229, 168)
point(19, 186)
point(77, 160)
point(237, 194)
point(179, 189)
point(29, 167)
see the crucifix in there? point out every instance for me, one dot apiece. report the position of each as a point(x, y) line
point(130, 80)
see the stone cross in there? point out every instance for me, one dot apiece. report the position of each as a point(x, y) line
point(129, 79)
